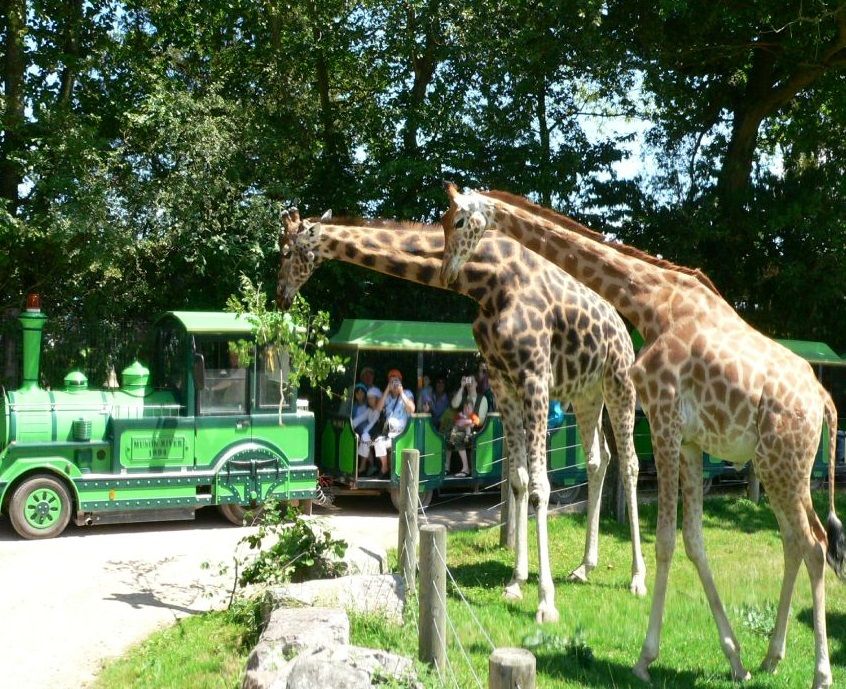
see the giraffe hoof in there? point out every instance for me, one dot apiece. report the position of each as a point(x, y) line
point(547, 615)
point(769, 664)
point(638, 586)
point(741, 675)
point(579, 575)
point(822, 680)
point(513, 592)
point(642, 673)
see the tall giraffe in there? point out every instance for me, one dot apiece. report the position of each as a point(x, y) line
point(707, 381)
point(535, 344)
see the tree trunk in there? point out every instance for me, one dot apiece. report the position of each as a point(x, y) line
point(544, 177)
point(14, 67)
point(72, 53)
point(423, 64)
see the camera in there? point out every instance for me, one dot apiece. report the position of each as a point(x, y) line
point(395, 383)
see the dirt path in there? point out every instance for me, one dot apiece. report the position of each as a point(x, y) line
point(72, 602)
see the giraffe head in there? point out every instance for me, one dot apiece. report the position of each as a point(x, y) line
point(298, 247)
point(469, 215)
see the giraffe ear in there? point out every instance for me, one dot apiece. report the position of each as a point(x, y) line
point(450, 188)
point(326, 216)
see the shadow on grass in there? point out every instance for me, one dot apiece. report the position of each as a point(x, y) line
point(487, 574)
point(603, 673)
point(835, 623)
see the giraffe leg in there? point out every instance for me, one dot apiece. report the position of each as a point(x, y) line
point(518, 479)
point(536, 412)
point(694, 544)
point(792, 560)
point(801, 527)
point(667, 465)
point(588, 413)
point(814, 556)
point(620, 401)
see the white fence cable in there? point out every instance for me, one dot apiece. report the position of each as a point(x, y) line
point(466, 602)
point(457, 637)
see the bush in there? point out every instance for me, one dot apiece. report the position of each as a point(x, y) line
point(303, 549)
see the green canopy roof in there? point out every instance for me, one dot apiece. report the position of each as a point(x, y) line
point(214, 322)
point(814, 352)
point(405, 336)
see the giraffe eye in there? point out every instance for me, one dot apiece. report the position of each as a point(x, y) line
point(459, 223)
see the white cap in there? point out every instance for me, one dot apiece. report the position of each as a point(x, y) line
point(374, 392)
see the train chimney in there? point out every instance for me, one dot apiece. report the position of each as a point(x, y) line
point(32, 321)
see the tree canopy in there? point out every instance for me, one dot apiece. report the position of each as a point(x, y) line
point(149, 146)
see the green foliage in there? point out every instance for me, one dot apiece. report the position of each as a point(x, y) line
point(297, 331)
point(576, 647)
point(160, 140)
point(759, 619)
point(300, 549)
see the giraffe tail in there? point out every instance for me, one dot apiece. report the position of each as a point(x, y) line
point(836, 554)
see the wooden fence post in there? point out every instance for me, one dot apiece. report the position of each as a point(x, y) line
point(511, 668)
point(408, 499)
point(432, 619)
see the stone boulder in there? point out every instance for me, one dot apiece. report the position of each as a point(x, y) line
point(308, 648)
point(380, 594)
point(291, 630)
point(366, 560)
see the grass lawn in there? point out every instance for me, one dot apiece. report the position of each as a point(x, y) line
point(744, 550)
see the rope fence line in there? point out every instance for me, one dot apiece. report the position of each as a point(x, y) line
point(456, 636)
point(432, 620)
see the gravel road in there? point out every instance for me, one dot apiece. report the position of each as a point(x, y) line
point(71, 602)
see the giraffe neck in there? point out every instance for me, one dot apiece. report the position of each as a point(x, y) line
point(637, 289)
point(394, 249)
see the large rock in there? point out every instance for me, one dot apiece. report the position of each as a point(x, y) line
point(338, 667)
point(382, 594)
point(366, 559)
point(291, 630)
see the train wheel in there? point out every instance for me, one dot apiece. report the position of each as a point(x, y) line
point(425, 498)
point(40, 507)
point(237, 514)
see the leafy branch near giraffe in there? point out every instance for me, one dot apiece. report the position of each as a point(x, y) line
point(707, 381)
point(535, 346)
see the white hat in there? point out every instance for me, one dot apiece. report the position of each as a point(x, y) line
point(374, 392)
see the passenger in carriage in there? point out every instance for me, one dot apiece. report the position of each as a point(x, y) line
point(425, 396)
point(365, 424)
point(440, 400)
point(398, 404)
point(472, 406)
point(461, 434)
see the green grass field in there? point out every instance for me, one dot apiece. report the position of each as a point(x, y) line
point(744, 550)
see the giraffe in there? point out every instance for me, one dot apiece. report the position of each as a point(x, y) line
point(576, 348)
point(707, 381)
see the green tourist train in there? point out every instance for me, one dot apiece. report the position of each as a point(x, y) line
point(196, 428)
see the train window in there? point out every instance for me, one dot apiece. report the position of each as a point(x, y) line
point(168, 373)
point(273, 370)
point(225, 390)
